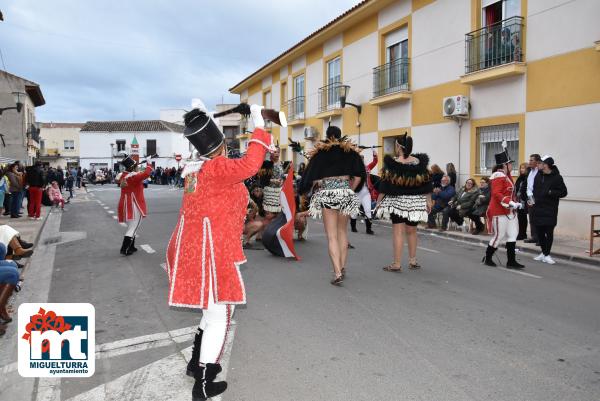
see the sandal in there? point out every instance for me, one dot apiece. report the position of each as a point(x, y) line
point(393, 269)
point(413, 264)
point(337, 281)
point(343, 273)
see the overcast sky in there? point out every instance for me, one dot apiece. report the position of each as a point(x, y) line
point(101, 60)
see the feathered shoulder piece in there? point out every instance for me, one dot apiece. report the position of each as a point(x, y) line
point(406, 175)
point(326, 145)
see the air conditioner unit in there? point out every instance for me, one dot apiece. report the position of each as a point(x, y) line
point(310, 133)
point(456, 106)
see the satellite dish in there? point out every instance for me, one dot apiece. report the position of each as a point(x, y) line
point(449, 106)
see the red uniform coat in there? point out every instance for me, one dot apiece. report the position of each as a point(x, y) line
point(502, 192)
point(206, 244)
point(132, 194)
point(370, 186)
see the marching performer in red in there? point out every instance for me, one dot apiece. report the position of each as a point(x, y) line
point(205, 250)
point(502, 212)
point(132, 204)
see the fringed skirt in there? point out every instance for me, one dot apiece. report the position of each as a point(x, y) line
point(334, 194)
point(411, 207)
point(271, 201)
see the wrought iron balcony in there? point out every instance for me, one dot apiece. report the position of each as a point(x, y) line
point(329, 97)
point(494, 45)
point(34, 132)
point(391, 77)
point(295, 108)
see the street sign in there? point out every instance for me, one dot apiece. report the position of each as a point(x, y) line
point(178, 158)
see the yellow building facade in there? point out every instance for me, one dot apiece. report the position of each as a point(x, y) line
point(461, 77)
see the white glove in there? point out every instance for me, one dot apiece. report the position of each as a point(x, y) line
point(514, 205)
point(255, 113)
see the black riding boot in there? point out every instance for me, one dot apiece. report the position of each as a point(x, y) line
point(512, 259)
point(353, 225)
point(369, 225)
point(487, 259)
point(125, 245)
point(194, 362)
point(205, 387)
point(132, 246)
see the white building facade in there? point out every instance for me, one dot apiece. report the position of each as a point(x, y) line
point(102, 143)
point(527, 80)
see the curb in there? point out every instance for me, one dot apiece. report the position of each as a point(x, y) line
point(479, 240)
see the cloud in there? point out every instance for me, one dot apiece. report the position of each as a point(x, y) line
point(102, 60)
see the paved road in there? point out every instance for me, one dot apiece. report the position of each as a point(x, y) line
point(455, 330)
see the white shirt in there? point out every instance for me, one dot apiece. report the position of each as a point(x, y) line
point(530, 180)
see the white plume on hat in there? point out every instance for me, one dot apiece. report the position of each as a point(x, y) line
point(199, 104)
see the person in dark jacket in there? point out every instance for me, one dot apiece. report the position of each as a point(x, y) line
point(521, 190)
point(548, 188)
point(440, 197)
point(461, 204)
point(15, 188)
point(436, 176)
point(481, 205)
point(34, 177)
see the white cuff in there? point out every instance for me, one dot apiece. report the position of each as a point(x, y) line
point(270, 148)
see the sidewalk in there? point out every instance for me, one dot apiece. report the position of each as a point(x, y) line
point(570, 249)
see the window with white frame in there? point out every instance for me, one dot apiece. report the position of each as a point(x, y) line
point(334, 76)
point(69, 144)
point(489, 141)
point(396, 57)
point(299, 95)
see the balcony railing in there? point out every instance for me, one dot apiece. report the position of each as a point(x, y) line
point(295, 108)
point(34, 132)
point(391, 77)
point(329, 97)
point(494, 45)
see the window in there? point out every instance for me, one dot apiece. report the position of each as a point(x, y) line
point(150, 147)
point(231, 132)
point(299, 93)
point(489, 140)
point(396, 57)
point(120, 145)
point(494, 11)
point(334, 76)
point(69, 144)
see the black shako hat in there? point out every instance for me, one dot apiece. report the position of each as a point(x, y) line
point(503, 158)
point(128, 162)
point(202, 132)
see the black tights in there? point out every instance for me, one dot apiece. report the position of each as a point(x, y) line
point(545, 235)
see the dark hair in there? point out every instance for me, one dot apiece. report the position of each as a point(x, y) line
point(486, 179)
point(450, 168)
point(536, 157)
point(406, 142)
point(333, 132)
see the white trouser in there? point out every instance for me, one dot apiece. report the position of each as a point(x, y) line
point(504, 227)
point(133, 225)
point(365, 199)
point(216, 322)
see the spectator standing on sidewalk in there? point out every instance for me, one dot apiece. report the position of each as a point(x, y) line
point(535, 161)
point(548, 188)
point(521, 190)
point(36, 181)
point(481, 205)
point(461, 204)
point(440, 196)
point(451, 171)
point(15, 188)
point(60, 178)
point(69, 185)
point(3, 187)
point(79, 176)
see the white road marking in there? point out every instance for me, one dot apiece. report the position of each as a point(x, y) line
point(518, 272)
point(110, 211)
point(427, 249)
point(123, 224)
point(48, 389)
point(105, 207)
point(115, 217)
point(147, 248)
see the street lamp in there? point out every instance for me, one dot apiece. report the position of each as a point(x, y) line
point(343, 94)
point(112, 146)
point(19, 99)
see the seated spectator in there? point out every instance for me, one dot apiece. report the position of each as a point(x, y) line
point(253, 224)
point(440, 197)
point(481, 205)
point(436, 175)
point(17, 248)
point(461, 204)
point(55, 195)
point(9, 277)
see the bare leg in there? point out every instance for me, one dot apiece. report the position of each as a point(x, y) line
point(398, 243)
point(331, 222)
point(411, 238)
point(342, 228)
